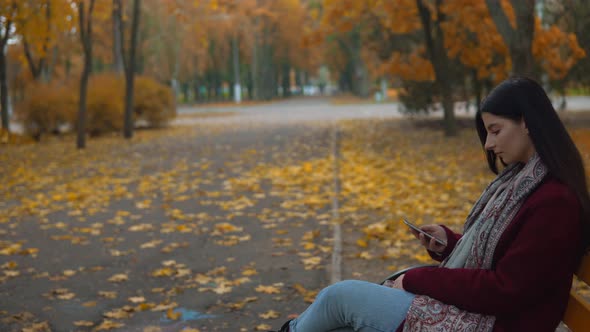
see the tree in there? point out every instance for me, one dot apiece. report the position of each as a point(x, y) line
point(85, 25)
point(117, 16)
point(344, 29)
point(574, 15)
point(517, 34)
point(7, 17)
point(40, 25)
point(432, 21)
point(130, 70)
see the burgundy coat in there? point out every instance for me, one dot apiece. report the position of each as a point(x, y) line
point(528, 285)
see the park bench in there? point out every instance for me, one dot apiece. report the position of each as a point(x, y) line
point(577, 314)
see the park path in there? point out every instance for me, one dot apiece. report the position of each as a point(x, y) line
point(191, 218)
point(297, 110)
point(180, 219)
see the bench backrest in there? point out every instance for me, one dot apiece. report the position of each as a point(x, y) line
point(577, 315)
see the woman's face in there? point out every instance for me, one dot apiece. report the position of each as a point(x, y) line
point(507, 138)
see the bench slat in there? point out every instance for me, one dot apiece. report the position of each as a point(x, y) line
point(577, 316)
point(584, 269)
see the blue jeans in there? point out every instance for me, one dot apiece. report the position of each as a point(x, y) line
point(354, 305)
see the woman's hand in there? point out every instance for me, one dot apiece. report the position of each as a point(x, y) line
point(397, 283)
point(431, 244)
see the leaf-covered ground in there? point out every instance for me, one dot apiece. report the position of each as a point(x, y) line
point(223, 228)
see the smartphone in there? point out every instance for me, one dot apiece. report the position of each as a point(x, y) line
point(429, 236)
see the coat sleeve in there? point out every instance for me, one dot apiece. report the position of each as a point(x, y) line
point(452, 239)
point(542, 254)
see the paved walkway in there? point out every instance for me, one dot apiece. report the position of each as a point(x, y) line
point(321, 109)
point(187, 228)
point(180, 219)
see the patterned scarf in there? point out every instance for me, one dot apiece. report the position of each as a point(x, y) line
point(486, 222)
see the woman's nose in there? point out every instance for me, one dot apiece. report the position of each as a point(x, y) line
point(489, 145)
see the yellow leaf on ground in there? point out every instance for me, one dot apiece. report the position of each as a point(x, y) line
point(166, 306)
point(249, 272)
point(268, 289)
point(119, 278)
point(107, 295)
point(164, 272)
point(152, 329)
point(271, 314)
point(69, 273)
point(137, 299)
point(173, 315)
point(117, 314)
point(108, 325)
point(361, 243)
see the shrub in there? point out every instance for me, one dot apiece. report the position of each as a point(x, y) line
point(7, 137)
point(46, 108)
point(153, 102)
point(52, 108)
point(104, 104)
point(417, 97)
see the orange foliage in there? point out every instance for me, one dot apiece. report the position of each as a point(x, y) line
point(51, 107)
point(104, 105)
point(413, 66)
point(154, 103)
point(46, 107)
point(470, 35)
point(556, 50)
point(400, 17)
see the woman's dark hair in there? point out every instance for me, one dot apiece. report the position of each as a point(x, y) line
point(520, 98)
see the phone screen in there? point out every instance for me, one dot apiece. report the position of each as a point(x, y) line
point(430, 236)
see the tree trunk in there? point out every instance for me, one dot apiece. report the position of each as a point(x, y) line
point(39, 68)
point(35, 69)
point(85, 24)
point(268, 78)
point(440, 62)
point(3, 84)
point(118, 64)
point(51, 64)
point(81, 138)
point(477, 90)
point(4, 91)
point(519, 40)
point(360, 79)
point(286, 82)
point(237, 88)
point(130, 72)
point(43, 62)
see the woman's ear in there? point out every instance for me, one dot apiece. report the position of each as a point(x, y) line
point(523, 126)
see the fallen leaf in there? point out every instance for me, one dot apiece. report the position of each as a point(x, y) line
point(137, 299)
point(119, 278)
point(271, 314)
point(108, 325)
point(173, 315)
point(107, 295)
point(268, 289)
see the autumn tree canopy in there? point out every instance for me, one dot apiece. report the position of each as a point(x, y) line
point(270, 48)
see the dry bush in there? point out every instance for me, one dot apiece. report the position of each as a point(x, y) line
point(51, 108)
point(46, 108)
point(154, 102)
point(104, 104)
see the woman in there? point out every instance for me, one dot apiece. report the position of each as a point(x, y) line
point(512, 268)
